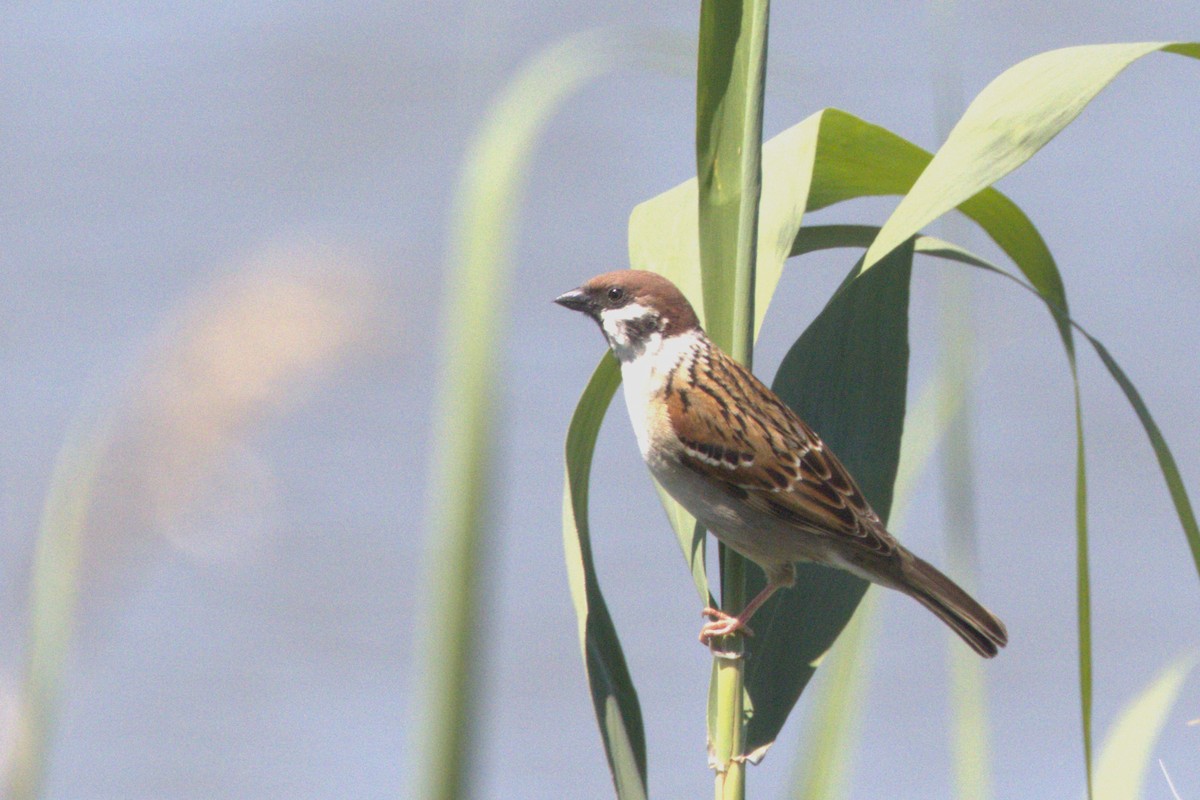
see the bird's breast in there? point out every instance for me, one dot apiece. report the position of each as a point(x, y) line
point(644, 380)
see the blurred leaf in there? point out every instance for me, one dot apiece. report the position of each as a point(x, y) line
point(133, 463)
point(613, 695)
point(52, 604)
point(823, 770)
point(479, 265)
point(1125, 757)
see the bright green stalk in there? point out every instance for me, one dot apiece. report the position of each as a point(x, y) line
point(729, 93)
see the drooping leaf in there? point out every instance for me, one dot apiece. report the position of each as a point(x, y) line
point(830, 157)
point(1010, 120)
point(613, 696)
point(821, 237)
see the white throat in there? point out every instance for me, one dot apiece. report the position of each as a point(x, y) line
point(644, 377)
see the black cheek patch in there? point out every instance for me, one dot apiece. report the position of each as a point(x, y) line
point(639, 329)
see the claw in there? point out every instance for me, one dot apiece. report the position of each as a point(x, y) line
point(722, 624)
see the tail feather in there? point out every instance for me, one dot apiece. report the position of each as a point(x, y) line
point(977, 626)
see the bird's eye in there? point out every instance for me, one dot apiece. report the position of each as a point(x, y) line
point(615, 294)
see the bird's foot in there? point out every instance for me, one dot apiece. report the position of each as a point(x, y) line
point(721, 624)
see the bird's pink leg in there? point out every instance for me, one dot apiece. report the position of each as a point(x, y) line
point(723, 624)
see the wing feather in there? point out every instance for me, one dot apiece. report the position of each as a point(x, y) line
point(736, 431)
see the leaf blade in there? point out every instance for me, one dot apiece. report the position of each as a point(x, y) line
point(857, 352)
point(1010, 120)
point(614, 697)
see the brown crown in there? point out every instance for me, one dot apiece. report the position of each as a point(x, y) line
point(651, 290)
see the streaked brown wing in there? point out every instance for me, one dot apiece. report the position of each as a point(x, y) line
point(737, 431)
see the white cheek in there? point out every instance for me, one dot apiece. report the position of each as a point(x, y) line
point(614, 331)
point(616, 323)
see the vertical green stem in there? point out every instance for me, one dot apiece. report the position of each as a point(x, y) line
point(1083, 585)
point(729, 93)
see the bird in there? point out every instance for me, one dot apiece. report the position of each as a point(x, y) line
point(741, 462)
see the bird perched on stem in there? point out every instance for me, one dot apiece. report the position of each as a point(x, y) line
point(745, 466)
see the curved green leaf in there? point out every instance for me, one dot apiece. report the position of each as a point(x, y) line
point(821, 237)
point(833, 156)
point(613, 696)
point(831, 236)
point(1010, 120)
point(829, 157)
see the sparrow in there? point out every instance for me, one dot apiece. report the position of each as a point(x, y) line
point(732, 453)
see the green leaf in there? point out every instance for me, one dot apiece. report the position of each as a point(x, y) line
point(822, 237)
point(823, 771)
point(856, 351)
point(1125, 757)
point(829, 157)
point(613, 695)
point(833, 156)
point(832, 236)
point(1010, 120)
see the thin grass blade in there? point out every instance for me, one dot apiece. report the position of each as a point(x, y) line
point(52, 602)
